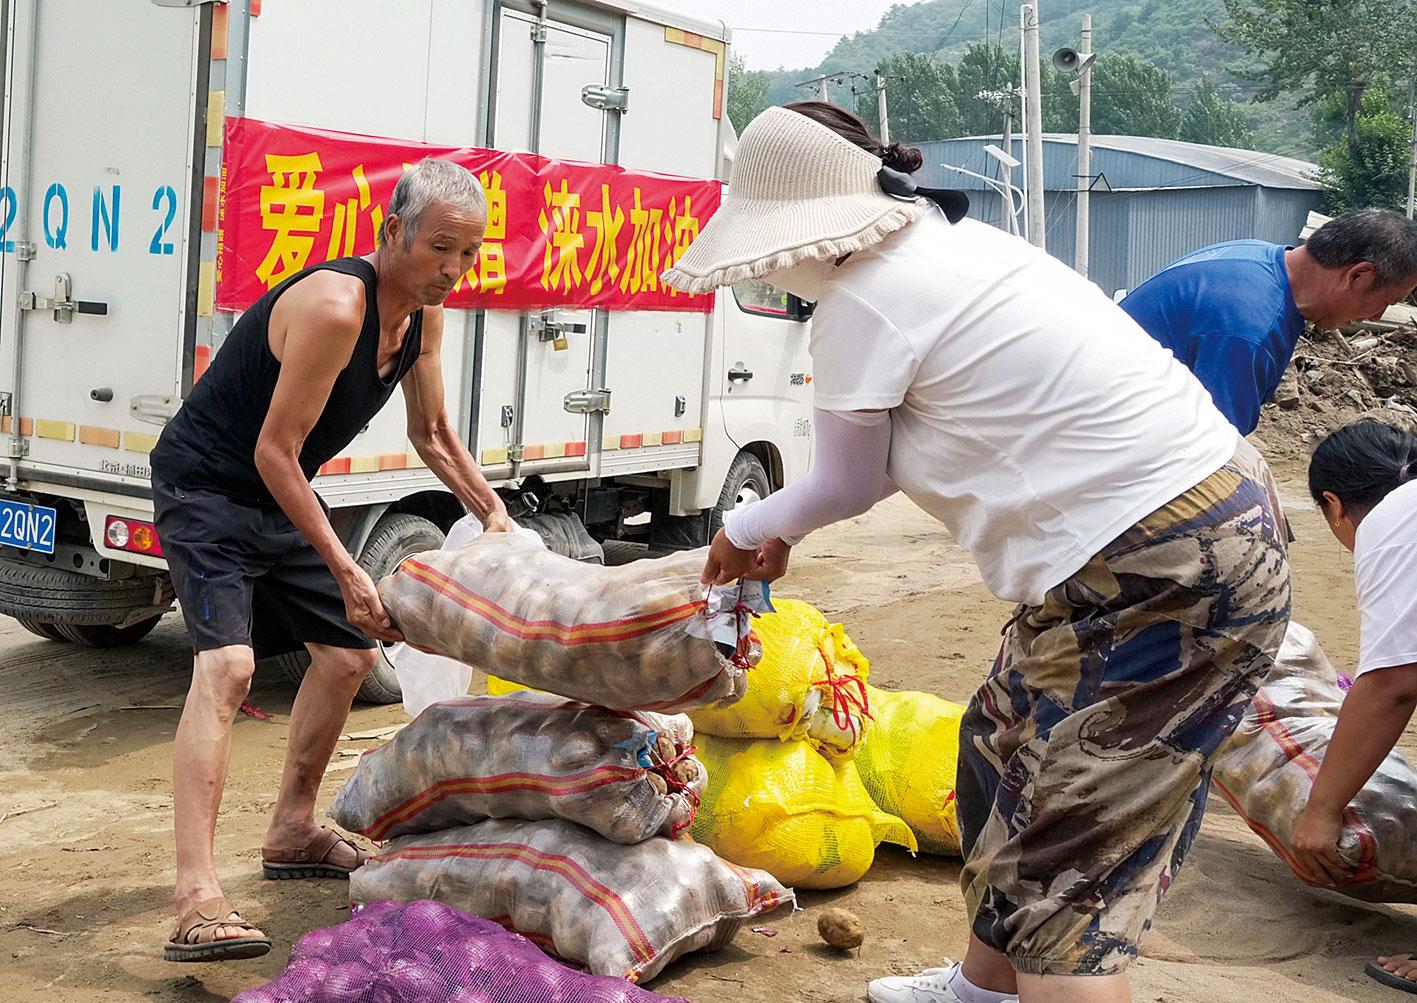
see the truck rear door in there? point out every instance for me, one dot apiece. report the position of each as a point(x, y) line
point(542, 65)
point(103, 149)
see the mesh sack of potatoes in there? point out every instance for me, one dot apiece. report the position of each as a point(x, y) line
point(908, 764)
point(642, 636)
point(1266, 771)
point(810, 684)
point(616, 910)
point(626, 775)
point(787, 809)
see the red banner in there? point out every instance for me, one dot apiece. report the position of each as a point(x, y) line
point(559, 233)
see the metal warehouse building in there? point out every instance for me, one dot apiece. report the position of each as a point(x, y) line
point(1166, 198)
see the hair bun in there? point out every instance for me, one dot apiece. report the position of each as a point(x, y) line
point(906, 159)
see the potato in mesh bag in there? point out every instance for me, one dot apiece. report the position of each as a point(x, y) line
point(785, 808)
point(810, 684)
point(909, 761)
point(618, 910)
point(626, 775)
point(1266, 771)
point(643, 636)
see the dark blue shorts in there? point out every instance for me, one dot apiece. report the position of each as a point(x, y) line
point(245, 575)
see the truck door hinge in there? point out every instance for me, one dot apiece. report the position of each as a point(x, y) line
point(603, 98)
point(588, 401)
point(63, 304)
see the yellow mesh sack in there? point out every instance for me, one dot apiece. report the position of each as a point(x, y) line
point(908, 764)
point(785, 809)
point(501, 687)
point(810, 684)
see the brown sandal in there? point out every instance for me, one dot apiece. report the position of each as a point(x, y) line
point(195, 938)
point(310, 861)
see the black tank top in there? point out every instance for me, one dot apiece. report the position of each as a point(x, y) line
point(211, 443)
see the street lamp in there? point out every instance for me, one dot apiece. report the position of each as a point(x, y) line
point(1005, 189)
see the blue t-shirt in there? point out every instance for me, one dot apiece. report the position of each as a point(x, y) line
point(1229, 314)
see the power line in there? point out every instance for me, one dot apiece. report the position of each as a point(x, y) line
point(941, 43)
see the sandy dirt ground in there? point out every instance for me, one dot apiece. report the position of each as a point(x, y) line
point(84, 884)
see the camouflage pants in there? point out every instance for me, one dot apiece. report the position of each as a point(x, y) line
point(1085, 758)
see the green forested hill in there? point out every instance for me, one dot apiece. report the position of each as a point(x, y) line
point(1174, 34)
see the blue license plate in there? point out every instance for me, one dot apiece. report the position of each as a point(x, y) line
point(29, 527)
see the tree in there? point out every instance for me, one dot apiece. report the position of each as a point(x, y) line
point(984, 68)
point(747, 92)
point(1325, 47)
point(920, 96)
point(1131, 97)
point(1369, 168)
point(1214, 120)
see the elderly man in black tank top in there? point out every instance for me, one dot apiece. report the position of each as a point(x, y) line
point(257, 567)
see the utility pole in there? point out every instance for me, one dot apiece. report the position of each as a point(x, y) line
point(1033, 123)
point(1412, 170)
point(1005, 169)
point(881, 107)
point(1084, 219)
point(821, 83)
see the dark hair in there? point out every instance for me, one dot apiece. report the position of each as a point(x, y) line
point(1385, 238)
point(906, 159)
point(1362, 462)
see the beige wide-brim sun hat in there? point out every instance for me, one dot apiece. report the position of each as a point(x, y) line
point(799, 191)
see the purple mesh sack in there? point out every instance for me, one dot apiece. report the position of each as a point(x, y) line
point(427, 952)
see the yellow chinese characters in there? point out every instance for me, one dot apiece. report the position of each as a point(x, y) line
point(489, 275)
point(294, 209)
point(561, 260)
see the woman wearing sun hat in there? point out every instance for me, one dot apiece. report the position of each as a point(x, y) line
point(1093, 482)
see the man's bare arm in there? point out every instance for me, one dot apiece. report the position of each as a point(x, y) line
point(434, 437)
point(320, 320)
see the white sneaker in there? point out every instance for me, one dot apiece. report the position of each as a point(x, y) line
point(930, 986)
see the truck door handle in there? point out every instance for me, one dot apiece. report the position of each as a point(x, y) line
point(739, 375)
point(62, 303)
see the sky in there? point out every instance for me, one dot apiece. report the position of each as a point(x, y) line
point(792, 33)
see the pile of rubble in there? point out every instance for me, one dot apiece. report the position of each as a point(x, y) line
point(1338, 377)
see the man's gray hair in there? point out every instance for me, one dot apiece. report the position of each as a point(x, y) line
point(1383, 237)
point(426, 183)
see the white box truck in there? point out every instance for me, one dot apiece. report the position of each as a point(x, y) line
point(114, 120)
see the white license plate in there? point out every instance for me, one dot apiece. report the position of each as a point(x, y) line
point(29, 527)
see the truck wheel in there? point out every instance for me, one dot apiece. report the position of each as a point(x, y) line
point(394, 538)
point(747, 482)
point(48, 631)
point(102, 635)
point(31, 592)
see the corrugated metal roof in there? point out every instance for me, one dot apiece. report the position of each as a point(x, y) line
point(1247, 166)
point(1131, 163)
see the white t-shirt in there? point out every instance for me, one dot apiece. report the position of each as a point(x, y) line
point(1030, 415)
point(1385, 574)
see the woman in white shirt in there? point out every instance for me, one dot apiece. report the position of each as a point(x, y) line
point(1093, 482)
point(1364, 479)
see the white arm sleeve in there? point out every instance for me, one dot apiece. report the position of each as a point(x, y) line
point(848, 476)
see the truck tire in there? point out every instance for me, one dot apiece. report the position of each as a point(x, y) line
point(55, 595)
point(48, 631)
point(747, 480)
point(395, 537)
point(102, 635)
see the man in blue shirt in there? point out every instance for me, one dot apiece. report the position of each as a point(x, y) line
point(1234, 312)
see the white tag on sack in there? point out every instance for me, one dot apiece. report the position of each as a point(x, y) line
point(729, 610)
